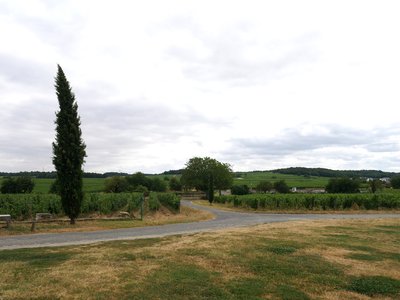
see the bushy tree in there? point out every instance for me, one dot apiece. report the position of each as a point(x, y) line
point(342, 185)
point(19, 185)
point(281, 187)
point(137, 179)
point(395, 182)
point(264, 186)
point(375, 185)
point(68, 149)
point(116, 184)
point(207, 174)
point(158, 185)
point(241, 189)
point(175, 184)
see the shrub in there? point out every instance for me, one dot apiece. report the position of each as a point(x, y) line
point(264, 186)
point(158, 185)
point(18, 185)
point(395, 182)
point(342, 185)
point(175, 184)
point(240, 189)
point(116, 184)
point(281, 187)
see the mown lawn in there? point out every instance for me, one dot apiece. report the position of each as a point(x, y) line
point(336, 259)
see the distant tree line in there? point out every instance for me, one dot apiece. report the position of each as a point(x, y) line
point(335, 173)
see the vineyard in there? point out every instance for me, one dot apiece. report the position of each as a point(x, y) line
point(25, 206)
point(313, 201)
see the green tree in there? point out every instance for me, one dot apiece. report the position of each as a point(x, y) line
point(158, 185)
point(68, 149)
point(19, 185)
point(375, 185)
point(281, 187)
point(342, 185)
point(207, 174)
point(175, 184)
point(116, 184)
point(395, 182)
point(264, 186)
point(137, 179)
point(242, 189)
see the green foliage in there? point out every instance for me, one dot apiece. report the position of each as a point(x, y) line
point(175, 184)
point(343, 185)
point(68, 149)
point(375, 185)
point(139, 179)
point(321, 172)
point(158, 185)
point(281, 187)
point(154, 203)
point(25, 206)
point(18, 185)
point(313, 201)
point(240, 189)
point(207, 174)
point(116, 184)
point(395, 182)
point(169, 200)
point(264, 186)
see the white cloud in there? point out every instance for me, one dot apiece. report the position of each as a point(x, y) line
point(253, 83)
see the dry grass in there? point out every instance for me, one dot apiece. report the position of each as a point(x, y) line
point(226, 264)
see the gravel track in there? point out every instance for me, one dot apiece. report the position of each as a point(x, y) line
point(223, 219)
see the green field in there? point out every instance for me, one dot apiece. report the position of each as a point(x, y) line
point(42, 186)
point(253, 178)
point(249, 178)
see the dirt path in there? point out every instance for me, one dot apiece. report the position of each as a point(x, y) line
point(223, 219)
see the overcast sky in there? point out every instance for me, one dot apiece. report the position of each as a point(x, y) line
point(257, 84)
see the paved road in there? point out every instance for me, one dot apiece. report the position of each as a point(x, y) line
point(223, 219)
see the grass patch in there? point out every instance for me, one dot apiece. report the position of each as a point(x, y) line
point(176, 281)
point(287, 292)
point(294, 260)
point(37, 258)
point(363, 256)
point(375, 285)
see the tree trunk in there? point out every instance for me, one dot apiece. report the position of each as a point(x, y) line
point(72, 221)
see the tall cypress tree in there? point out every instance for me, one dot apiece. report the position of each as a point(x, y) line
point(68, 149)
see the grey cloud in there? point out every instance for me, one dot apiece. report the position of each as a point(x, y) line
point(292, 141)
point(226, 61)
point(26, 72)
